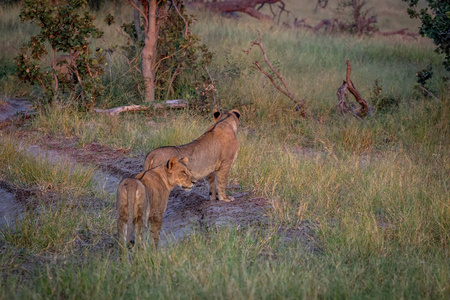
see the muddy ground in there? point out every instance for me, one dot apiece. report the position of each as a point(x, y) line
point(186, 210)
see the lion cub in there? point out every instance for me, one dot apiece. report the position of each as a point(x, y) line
point(145, 198)
point(132, 205)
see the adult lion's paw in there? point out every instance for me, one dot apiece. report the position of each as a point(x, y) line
point(228, 199)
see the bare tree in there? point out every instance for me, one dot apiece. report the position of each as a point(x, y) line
point(283, 88)
point(153, 13)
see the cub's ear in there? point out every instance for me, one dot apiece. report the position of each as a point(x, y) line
point(185, 160)
point(216, 114)
point(171, 163)
point(140, 175)
point(236, 113)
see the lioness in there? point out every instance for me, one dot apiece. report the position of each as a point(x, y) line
point(64, 64)
point(145, 197)
point(211, 155)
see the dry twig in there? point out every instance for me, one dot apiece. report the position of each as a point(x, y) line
point(300, 104)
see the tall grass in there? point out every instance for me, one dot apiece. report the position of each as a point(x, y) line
point(374, 191)
point(240, 264)
point(23, 169)
point(138, 132)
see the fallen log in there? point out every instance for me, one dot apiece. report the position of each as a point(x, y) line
point(172, 104)
point(330, 25)
point(231, 6)
point(399, 32)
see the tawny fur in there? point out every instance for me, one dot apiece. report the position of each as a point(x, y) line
point(64, 64)
point(155, 186)
point(211, 155)
point(158, 182)
point(132, 206)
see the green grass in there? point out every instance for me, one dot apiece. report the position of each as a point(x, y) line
point(53, 192)
point(24, 169)
point(376, 191)
point(137, 132)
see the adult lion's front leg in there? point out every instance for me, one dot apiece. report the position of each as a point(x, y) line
point(222, 178)
point(212, 186)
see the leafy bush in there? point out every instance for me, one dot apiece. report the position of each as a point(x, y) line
point(63, 29)
point(382, 102)
point(181, 59)
point(435, 24)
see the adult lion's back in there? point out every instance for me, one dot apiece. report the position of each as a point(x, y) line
point(211, 155)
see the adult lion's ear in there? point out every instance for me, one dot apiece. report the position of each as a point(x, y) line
point(171, 163)
point(185, 160)
point(236, 113)
point(150, 165)
point(216, 114)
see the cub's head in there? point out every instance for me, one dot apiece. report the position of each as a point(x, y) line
point(179, 174)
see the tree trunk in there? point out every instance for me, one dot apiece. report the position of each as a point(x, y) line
point(149, 52)
point(137, 21)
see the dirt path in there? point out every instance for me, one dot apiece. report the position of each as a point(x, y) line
point(10, 107)
point(10, 209)
point(186, 210)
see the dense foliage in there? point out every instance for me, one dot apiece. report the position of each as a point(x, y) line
point(435, 24)
point(181, 60)
point(64, 30)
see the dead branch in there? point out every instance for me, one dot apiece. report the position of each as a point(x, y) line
point(427, 92)
point(300, 104)
point(172, 104)
point(213, 83)
point(330, 25)
point(345, 107)
point(186, 24)
point(245, 6)
point(399, 32)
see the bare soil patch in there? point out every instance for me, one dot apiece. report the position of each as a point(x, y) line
point(10, 107)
